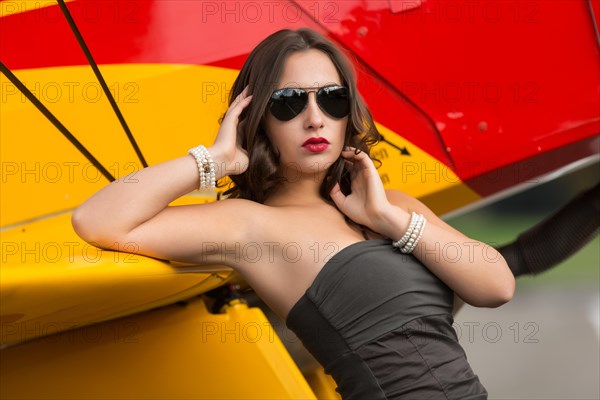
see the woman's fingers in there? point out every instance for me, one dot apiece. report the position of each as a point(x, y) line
point(358, 158)
point(337, 196)
point(227, 137)
point(237, 106)
point(354, 153)
point(242, 99)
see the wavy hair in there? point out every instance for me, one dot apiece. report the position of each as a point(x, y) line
point(261, 72)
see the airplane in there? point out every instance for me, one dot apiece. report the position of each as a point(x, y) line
point(475, 101)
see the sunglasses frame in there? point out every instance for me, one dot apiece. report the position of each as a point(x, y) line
point(306, 92)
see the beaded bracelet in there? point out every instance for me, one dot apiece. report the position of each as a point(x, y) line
point(411, 246)
point(413, 221)
point(206, 168)
point(413, 234)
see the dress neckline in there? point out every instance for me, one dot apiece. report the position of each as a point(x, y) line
point(329, 262)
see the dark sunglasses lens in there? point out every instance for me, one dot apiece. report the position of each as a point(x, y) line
point(287, 103)
point(334, 101)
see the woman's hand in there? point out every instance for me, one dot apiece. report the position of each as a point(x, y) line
point(230, 158)
point(478, 274)
point(367, 204)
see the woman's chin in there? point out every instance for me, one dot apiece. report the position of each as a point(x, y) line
point(294, 171)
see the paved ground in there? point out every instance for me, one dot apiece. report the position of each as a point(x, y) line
point(544, 344)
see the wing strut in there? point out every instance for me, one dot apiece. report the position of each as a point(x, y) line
point(30, 96)
point(100, 78)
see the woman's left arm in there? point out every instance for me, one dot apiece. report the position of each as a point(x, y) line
point(475, 271)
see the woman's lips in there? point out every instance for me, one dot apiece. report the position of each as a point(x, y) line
point(316, 145)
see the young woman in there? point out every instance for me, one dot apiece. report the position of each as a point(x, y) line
point(357, 272)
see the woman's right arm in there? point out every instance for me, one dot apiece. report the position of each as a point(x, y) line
point(132, 213)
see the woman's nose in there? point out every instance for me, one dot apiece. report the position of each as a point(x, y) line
point(313, 113)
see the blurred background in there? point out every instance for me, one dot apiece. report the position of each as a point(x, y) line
point(544, 344)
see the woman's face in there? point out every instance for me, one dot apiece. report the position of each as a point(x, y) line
point(313, 140)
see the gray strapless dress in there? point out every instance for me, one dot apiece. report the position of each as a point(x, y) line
point(380, 323)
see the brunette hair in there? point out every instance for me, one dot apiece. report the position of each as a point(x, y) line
point(261, 72)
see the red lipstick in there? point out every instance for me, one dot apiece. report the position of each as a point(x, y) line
point(316, 144)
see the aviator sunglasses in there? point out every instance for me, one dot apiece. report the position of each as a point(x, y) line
point(287, 103)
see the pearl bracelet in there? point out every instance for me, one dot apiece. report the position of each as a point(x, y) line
point(411, 227)
point(206, 168)
point(413, 234)
point(410, 246)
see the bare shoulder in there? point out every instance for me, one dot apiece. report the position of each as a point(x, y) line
point(236, 218)
point(240, 205)
point(245, 212)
